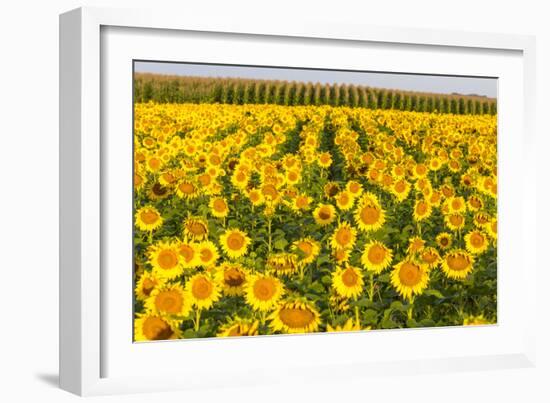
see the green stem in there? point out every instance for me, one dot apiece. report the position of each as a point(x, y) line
point(269, 234)
point(197, 319)
point(371, 287)
point(410, 308)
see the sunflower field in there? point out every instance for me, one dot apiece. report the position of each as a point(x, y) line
point(262, 219)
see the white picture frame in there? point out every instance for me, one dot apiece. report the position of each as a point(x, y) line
point(86, 302)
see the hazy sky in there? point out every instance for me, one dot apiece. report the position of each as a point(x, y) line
point(408, 82)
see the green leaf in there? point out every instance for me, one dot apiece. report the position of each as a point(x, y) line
point(370, 317)
point(323, 259)
point(280, 243)
point(434, 293)
point(398, 306)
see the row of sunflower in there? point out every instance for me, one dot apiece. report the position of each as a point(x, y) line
point(265, 219)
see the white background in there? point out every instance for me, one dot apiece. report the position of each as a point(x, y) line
point(29, 202)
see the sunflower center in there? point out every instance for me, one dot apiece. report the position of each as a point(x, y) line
point(235, 241)
point(349, 277)
point(456, 204)
point(324, 213)
point(187, 188)
point(429, 257)
point(197, 228)
point(187, 252)
point(215, 160)
point(306, 248)
point(264, 289)
point(270, 191)
point(147, 286)
point(344, 236)
point(354, 187)
point(159, 190)
point(410, 274)
point(219, 205)
point(400, 187)
point(376, 254)
point(233, 277)
point(167, 259)
point(156, 329)
point(477, 240)
point(296, 318)
point(206, 255)
point(202, 288)
point(343, 199)
point(422, 208)
point(293, 176)
point(456, 219)
point(204, 179)
point(169, 301)
point(370, 215)
point(458, 262)
point(475, 202)
point(149, 217)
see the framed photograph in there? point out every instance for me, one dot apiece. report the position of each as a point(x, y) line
point(337, 198)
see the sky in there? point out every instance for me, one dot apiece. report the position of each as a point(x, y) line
point(407, 82)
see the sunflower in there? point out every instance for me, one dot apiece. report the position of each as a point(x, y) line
point(457, 264)
point(422, 210)
point(481, 219)
point(207, 253)
point(233, 278)
point(282, 263)
point(255, 196)
point(444, 240)
point(204, 291)
point(454, 221)
point(324, 214)
point(146, 284)
point(492, 229)
point(430, 257)
point(148, 218)
point(354, 188)
point(169, 300)
point(344, 236)
point(263, 292)
point(151, 327)
point(475, 203)
point(324, 159)
point(344, 200)
point(307, 249)
point(195, 228)
point(400, 189)
point(165, 260)
point(369, 216)
point(295, 316)
point(219, 207)
point(238, 327)
point(341, 255)
point(187, 189)
point(301, 202)
point(472, 320)
point(348, 282)
point(409, 277)
point(349, 326)
point(189, 255)
point(476, 242)
point(234, 243)
point(240, 178)
point(456, 205)
point(376, 256)
point(416, 244)
point(158, 191)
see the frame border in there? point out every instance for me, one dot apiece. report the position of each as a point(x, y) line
point(80, 170)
